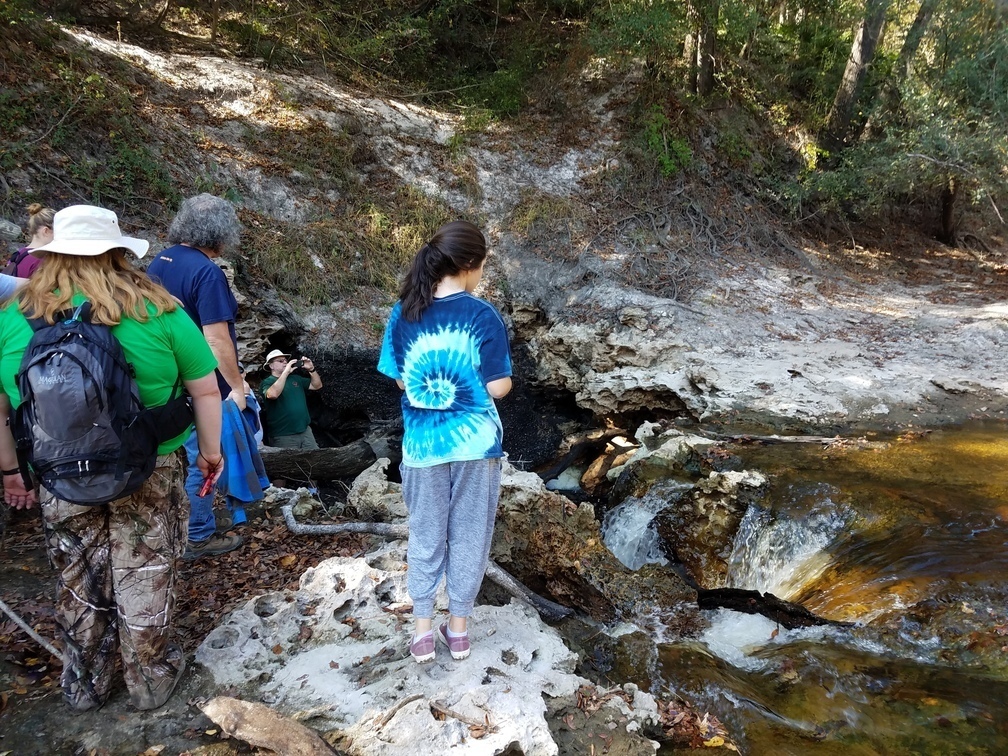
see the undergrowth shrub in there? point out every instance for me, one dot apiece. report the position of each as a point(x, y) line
point(549, 223)
point(366, 244)
point(670, 151)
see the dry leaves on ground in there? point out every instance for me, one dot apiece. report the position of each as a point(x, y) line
point(272, 559)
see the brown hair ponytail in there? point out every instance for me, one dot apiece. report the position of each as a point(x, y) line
point(455, 247)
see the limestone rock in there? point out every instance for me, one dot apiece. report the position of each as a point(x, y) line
point(9, 231)
point(334, 654)
point(375, 498)
point(662, 455)
point(555, 547)
point(698, 529)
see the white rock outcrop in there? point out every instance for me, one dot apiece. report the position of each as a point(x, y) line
point(334, 655)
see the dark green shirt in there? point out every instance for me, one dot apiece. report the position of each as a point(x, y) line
point(288, 413)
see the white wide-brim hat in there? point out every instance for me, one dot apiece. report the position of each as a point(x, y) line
point(272, 356)
point(88, 231)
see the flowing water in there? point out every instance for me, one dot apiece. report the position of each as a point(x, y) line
point(910, 543)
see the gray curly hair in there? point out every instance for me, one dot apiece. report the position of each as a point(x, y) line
point(205, 221)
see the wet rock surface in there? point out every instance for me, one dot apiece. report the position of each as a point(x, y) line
point(555, 547)
point(698, 530)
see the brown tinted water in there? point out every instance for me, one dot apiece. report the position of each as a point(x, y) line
point(910, 542)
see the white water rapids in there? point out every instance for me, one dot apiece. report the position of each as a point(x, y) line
point(770, 554)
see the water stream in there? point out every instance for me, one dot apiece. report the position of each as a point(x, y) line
point(910, 543)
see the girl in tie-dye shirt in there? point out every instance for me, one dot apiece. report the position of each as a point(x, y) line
point(448, 351)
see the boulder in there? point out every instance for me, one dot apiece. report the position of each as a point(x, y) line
point(698, 529)
point(9, 231)
point(374, 498)
point(662, 454)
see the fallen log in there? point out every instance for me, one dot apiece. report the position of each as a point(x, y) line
point(545, 607)
point(590, 445)
point(329, 463)
point(746, 438)
point(784, 613)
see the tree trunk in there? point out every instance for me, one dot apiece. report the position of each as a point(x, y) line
point(215, 20)
point(690, 44)
point(948, 219)
point(889, 102)
point(163, 14)
point(706, 36)
point(862, 53)
point(318, 464)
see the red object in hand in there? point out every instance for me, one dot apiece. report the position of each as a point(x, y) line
point(207, 486)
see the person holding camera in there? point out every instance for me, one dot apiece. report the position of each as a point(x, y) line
point(286, 406)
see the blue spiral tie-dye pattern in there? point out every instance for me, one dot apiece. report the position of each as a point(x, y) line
point(445, 362)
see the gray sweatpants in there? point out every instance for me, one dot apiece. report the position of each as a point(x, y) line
point(451, 520)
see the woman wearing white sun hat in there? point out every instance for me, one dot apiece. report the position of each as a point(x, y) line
point(117, 560)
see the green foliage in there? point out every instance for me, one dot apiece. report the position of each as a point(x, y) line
point(311, 148)
point(15, 12)
point(652, 29)
point(128, 172)
point(778, 66)
point(951, 123)
point(471, 53)
point(78, 110)
point(536, 209)
point(734, 147)
point(672, 153)
point(214, 181)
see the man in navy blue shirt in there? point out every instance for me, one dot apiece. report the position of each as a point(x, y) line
point(204, 228)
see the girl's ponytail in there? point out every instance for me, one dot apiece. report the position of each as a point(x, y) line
point(456, 247)
point(417, 289)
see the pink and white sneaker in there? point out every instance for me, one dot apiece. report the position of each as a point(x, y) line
point(422, 648)
point(459, 647)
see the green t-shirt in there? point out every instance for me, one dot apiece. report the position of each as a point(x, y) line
point(162, 349)
point(287, 414)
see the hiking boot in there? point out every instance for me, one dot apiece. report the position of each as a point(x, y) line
point(422, 648)
point(459, 647)
point(224, 520)
point(212, 546)
point(159, 689)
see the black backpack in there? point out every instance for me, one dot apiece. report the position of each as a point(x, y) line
point(81, 425)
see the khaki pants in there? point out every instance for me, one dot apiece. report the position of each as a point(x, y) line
point(115, 591)
point(303, 440)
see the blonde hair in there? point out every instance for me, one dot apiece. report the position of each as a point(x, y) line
point(39, 217)
point(109, 281)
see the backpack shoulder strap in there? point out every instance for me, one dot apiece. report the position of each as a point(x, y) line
point(82, 312)
point(11, 269)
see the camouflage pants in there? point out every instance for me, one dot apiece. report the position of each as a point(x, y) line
point(116, 588)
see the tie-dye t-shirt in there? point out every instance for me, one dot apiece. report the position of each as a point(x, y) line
point(446, 359)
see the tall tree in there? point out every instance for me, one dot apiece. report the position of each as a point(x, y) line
point(702, 17)
point(862, 53)
point(889, 101)
point(707, 33)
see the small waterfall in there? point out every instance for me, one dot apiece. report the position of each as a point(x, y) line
point(627, 530)
point(780, 556)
